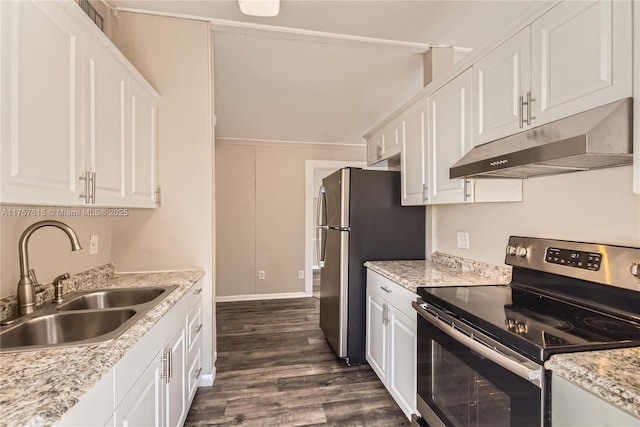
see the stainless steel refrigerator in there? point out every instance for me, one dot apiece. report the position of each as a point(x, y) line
point(359, 219)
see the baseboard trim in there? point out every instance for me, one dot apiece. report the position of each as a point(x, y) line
point(206, 380)
point(256, 297)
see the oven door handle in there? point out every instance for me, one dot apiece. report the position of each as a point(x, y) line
point(526, 369)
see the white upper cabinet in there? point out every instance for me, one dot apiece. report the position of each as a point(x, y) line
point(575, 57)
point(581, 57)
point(499, 79)
point(449, 136)
point(141, 166)
point(40, 104)
point(78, 121)
point(415, 162)
point(106, 90)
point(385, 143)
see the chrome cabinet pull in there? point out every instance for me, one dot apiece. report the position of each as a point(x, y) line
point(196, 329)
point(197, 291)
point(384, 288)
point(425, 192)
point(85, 193)
point(465, 189)
point(528, 104)
point(92, 187)
point(165, 367)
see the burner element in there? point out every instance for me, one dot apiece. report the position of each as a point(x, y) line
point(612, 325)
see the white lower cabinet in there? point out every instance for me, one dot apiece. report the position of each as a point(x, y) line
point(573, 406)
point(143, 405)
point(156, 381)
point(391, 341)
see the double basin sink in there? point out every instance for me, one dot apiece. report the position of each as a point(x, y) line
point(86, 317)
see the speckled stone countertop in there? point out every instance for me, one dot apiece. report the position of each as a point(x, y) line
point(609, 374)
point(442, 270)
point(38, 387)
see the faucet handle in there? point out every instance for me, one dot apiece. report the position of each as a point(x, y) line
point(58, 291)
point(32, 275)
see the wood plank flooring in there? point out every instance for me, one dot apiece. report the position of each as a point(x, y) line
point(275, 368)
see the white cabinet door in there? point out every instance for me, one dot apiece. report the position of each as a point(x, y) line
point(402, 360)
point(40, 104)
point(376, 341)
point(143, 404)
point(499, 79)
point(175, 389)
point(374, 149)
point(414, 176)
point(449, 133)
point(582, 57)
point(141, 165)
point(106, 88)
point(391, 140)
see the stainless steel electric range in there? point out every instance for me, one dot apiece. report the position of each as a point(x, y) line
point(481, 349)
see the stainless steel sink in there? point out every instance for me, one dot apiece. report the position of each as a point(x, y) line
point(110, 298)
point(63, 328)
point(89, 317)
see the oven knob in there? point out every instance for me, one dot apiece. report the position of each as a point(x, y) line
point(635, 269)
point(521, 328)
point(511, 324)
point(521, 251)
point(511, 250)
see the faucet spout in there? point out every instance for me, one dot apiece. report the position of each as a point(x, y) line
point(26, 292)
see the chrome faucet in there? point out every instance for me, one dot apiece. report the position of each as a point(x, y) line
point(26, 290)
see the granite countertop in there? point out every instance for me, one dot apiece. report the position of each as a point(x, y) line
point(609, 374)
point(38, 387)
point(442, 270)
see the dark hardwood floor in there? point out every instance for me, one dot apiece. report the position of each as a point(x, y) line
point(275, 368)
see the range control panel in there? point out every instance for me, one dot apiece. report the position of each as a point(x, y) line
point(571, 258)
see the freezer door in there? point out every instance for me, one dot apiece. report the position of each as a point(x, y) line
point(336, 187)
point(334, 291)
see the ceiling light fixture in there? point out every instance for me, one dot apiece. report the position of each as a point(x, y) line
point(264, 8)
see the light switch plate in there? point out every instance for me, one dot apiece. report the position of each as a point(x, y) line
point(463, 239)
point(93, 244)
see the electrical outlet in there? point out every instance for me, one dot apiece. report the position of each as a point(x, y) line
point(300, 274)
point(93, 244)
point(463, 239)
point(261, 274)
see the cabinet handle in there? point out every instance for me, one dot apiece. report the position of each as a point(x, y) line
point(528, 104)
point(196, 329)
point(425, 192)
point(378, 152)
point(85, 194)
point(196, 375)
point(384, 288)
point(197, 291)
point(465, 189)
point(92, 187)
point(170, 364)
point(165, 367)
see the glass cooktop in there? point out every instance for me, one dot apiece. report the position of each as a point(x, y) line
point(532, 323)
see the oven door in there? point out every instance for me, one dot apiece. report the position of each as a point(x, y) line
point(464, 381)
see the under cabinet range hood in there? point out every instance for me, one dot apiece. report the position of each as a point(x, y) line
point(595, 139)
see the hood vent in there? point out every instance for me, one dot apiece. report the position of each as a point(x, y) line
point(594, 139)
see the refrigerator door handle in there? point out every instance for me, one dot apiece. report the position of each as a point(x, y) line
point(321, 229)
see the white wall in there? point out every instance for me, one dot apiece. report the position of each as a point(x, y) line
point(260, 203)
point(174, 55)
point(595, 206)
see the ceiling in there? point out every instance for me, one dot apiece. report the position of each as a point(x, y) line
point(327, 71)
